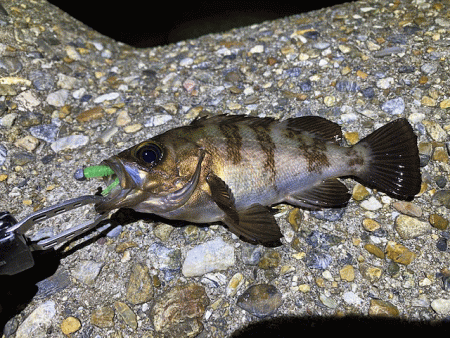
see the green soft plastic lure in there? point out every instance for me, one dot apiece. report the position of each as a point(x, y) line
point(97, 171)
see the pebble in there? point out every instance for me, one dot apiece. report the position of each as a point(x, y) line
point(382, 308)
point(410, 227)
point(27, 100)
point(251, 254)
point(316, 259)
point(181, 304)
point(53, 284)
point(399, 253)
point(429, 68)
point(371, 204)
point(140, 285)
point(441, 306)
point(327, 301)
point(260, 300)
point(165, 259)
point(132, 128)
point(215, 255)
point(127, 315)
point(38, 322)
point(123, 118)
point(90, 114)
point(347, 273)
point(58, 98)
point(28, 143)
point(157, 120)
point(352, 298)
point(389, 51)
point(42, 81)
point(329, 214)
point(69, 143)
point(408, 208)
point(70, 325)
point(370, 224)
point(394, 107)
point(45, 132)
point(258, 49)
point(106, 97)
point(103, 317)
point(12, 65)
point(270, 260)
point(87, 271)
point(235, 282)
point(435, 131)
point(3, 154)
point(107, 134)
point(369, 272)
point(438, 222)
point(374, 250)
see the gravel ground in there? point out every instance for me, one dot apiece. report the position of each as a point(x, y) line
point(70, 97)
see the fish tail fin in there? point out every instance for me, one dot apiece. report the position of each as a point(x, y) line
point(392, 161)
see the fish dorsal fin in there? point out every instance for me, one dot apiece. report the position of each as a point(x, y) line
point(255, 224)
point(226, 118)
point(316, 125)
point(330, 193)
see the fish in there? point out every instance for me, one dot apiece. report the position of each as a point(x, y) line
point(232, 169)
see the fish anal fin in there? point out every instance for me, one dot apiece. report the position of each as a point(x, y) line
point(330, 193)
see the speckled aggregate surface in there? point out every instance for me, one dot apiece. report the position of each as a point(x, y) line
point(70, 97)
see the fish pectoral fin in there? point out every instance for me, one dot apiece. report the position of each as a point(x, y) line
point(255, 224)
point(330, 193)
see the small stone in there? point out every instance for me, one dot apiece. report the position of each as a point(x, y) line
point(260, 300)
point(95, 113)
point(69, 143)
point(351, 137)
point(408, 208)
point(123, 118)
point(38, 322)
point(318, 260)
point(106, 97)
point(329, 101)
point(441, 197)
point(258, 49)
point(394, 107)
point(103, 317)
point(369, 272)
point(107, 134)
point(441, 306)
point(382, 308)
point(347, 273)
point(186, 62)
point(72, 53)
point(352, 298)
point(125, 312)
point(371, 204)
point(165, 259)
point(215, 255)
point(58, 98)
point(157, 120)
point(445, 104)
point(428, 101)
point(370, 225)
point(28, 143)
point(140, 287)
point(410, 227)
point(438, 222)
point(436, 132)
point(374, 250)
point(440, 155)
point(328, 301)
point(180, 304)
point(132, 128)
point(360, 192)
point(87, 271)
point(235, 282)
point(385, 83)
point(70, 325)
point(399, 253)
point(270, 260)
point(45, 132)
point(121, 247)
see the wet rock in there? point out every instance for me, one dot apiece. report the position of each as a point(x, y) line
point(127, 315)
point(140, 285)
point(37, 323)
point(260, 300)
point(211, 256)
point(382, 308)
point(442, 197)
point(410, 227)
point(69, 143)
point(374, 250)
point(180, 309)
point(438, 221)
point(87, 271)
point(399, 253)
point(408, 208)
point(70, 325)
point(103, 317)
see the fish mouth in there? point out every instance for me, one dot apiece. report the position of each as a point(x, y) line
point(121, 189)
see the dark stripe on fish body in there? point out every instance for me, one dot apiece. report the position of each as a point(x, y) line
point(233, 141)
point(267, 145)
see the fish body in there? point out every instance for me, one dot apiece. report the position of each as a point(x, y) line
point(232, 168)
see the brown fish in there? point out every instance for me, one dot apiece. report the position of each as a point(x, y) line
point(232, 168)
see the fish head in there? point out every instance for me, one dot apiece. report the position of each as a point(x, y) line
point(149, 178)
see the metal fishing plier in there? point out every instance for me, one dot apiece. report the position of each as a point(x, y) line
point(16, 249)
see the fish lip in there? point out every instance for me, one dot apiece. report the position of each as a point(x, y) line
point(120, 192)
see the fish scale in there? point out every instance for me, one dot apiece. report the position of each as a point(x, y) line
point(232, 168)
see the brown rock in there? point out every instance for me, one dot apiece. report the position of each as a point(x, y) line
point(140, 285)
point(260, 300)
point(374, 250)
point(103, 317)
point(90, 114)
point(399, 254)
point(382, 308)
point(438, 222)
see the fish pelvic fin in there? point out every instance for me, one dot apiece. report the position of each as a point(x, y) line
point(392, 161)
point(255, 224)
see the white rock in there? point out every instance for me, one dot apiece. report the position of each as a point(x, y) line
point(257, 49)
point(215, 255)
point(37, 323)
point(371, 204)
point(106, 97)
point(58, 98)
point(27, 100)
point(441, 306)
point(70, 142)
point(352, 298)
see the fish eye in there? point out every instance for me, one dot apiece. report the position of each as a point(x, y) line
point(149, 153)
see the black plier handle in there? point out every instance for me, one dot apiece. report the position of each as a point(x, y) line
point(15, 248)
